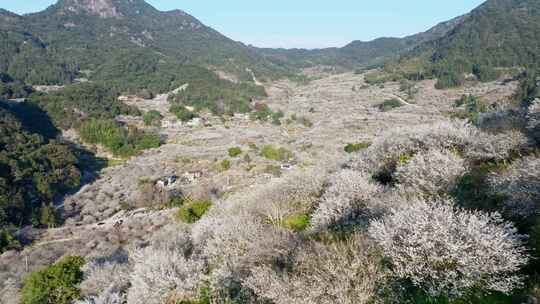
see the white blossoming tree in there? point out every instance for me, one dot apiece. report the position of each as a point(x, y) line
point(448, 251)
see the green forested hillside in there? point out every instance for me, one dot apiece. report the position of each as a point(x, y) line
point(360, 53)
point(67, 108)
point(497, 34)
point(32, 172)
point(74, 38)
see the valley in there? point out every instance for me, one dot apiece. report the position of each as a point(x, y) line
point(98, 223)
point(146, 158)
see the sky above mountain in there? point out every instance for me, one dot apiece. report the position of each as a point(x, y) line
point(303, 23)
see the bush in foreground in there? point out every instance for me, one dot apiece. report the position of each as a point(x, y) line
point(448, 251)
point(344, 272)
point(56, 284)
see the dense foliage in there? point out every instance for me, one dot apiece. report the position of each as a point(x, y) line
point(152, 118)
point(497, 34)
point(217, 95)
point(72, 40)
point(75, 103)
point(32, 172)
point(56, 284)
point(11, 89)
point(117, 139)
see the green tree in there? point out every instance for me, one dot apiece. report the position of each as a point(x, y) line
point(56, 284)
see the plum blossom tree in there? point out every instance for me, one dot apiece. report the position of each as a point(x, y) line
point(520, 185)
point(448, 251)
point(343, 272)
point(430, 174)
point(164, 271)
point(350, 196)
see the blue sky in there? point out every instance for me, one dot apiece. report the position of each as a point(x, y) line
point(303, 23)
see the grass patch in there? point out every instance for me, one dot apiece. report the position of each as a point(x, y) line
point(235, 152)
point(390, 104)
point(352, 148)
point(192, 211)
point(297, 222)
point(225, 165)
point(277, 154)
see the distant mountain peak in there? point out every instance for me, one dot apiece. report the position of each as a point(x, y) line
point(101, 8)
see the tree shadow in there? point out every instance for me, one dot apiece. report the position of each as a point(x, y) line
point(33, 119)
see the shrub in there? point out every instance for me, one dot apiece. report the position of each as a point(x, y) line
point(351, 148)
point(390, 104)
point(449, 80)
point(225, 165)
point(276, 117)
point(192, 211)
point(344, 272)
point(235, 152)
point(164, 271)
point(262, 112)
point(182, 113)
point(380, 77)
point(485, 73)
point(277, 154)
point(56, 284)
point(118, 140)
point(8, 240)
point(49, 217)
point(431, 173)
point(520, 186)
point(152, 118)
point(473, 107)
point(296, 222)
point(349, 198)
point(106, 276)
point(449, 251)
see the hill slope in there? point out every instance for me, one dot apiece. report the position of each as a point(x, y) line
point(499, 33)
point(361, 53)
point(82, 34)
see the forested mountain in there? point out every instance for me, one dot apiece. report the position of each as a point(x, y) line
point(501, 33)
point(497, 34)
point(361, 53)
point(80, 35)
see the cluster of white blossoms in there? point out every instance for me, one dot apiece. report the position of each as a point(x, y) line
point(447, 250)
point(240, 249)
